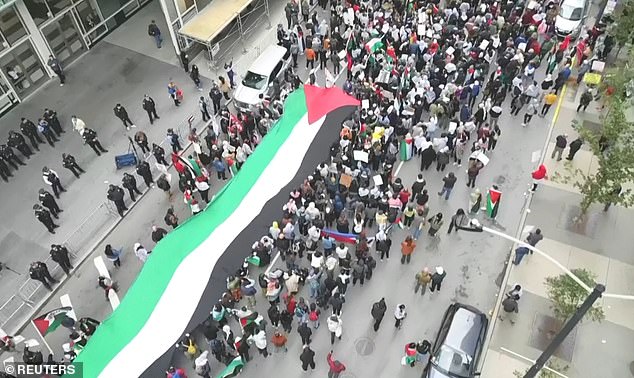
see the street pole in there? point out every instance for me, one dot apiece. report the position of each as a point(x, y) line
point(561, 336)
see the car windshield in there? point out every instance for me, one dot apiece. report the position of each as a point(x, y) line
point(255, 81)
point(453, 362)
point(570, 12)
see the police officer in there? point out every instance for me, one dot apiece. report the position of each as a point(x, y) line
point(52, 178)
point(150, 107)
point(48, 201)
point(45, 217)
point(159, 154)
point(28, 128)
point(129, 182)
point(17, 141)
point(45, 129)
point(5, 173)
point(143, 170)
point(60, 255)
point(39, 271)
point(8, 155)
point(68, 161)
point(122, 114)
point(115, 194)
point(90, 137)
point(51, 117)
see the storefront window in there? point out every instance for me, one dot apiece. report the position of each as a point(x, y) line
point(11, 25)
point(38, 10)
point(23, 69)
point(57, 6)
point(63, 38)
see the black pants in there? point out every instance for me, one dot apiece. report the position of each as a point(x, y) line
point(45, 281)
point(294, 60)
point(492, 144)
point(206, 115)
point(65, 265)
point(204, 194)
point(263, 352)
point(377, 323)
point(50, 138)
point(406, 258)
point(305, 340)
point(35, 141)
point(61, 76)
point(76, 170)
point(385, 253)
point(360, 279)
point(306, 365)
point(515, 111)
point(125, 121)
point(14, 161)
point(398, 322)
point(120, 207)
point(176, 147)
point(151, 113)
point(216, 104)
point(222, 175)
point(311, 62)
point(545, 109)
point(57, 188)
point(527, 118)
point(471, 181)
point(53, 208)
point(4, 171)
point(97, 147)
point(132, 191)
point(161, 160)
point(48, 223)
point(435, 286)
point(582, 106)
point(148, 180)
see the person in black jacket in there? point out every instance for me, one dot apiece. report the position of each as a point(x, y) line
point(129, 182)
point(69, 162)
point(150, 107)
point(159, 154)
point(143, 170)
point(39, 272)
point(51, 117)
point(60, 255)
point(305, 333)
point(122, 114)
point(308, 358)
point(48, 201)
point(44, 216)
point(377, 312)
point(7, 154)
point(5, 173)
point(28, 128)
point(158, 233)
point(116, 194)
point(90, 137)
point(17, 141)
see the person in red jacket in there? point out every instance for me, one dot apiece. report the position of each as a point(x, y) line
point(173, 372)
point(538, 175)
point(335, 367)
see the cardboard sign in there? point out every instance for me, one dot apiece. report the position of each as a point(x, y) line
point(345, 180)
point(535, 156)
point(361, 156)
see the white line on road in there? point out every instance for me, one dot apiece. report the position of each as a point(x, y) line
point(398, 169)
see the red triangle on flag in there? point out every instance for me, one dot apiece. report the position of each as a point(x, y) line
point(321, 101)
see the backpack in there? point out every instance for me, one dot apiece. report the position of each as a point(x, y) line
point(215, 346)
point(314, 315)
point(191, 348)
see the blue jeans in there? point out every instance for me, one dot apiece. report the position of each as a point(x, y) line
point(446, 191)
point(518, 257)
point(159, 40)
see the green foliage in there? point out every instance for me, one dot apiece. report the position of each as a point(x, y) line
point(553, 363)
point(566, 295)
point(616, 161)
point(623, 27)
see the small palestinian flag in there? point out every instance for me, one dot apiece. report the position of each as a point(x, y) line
point(375, 44)
point(493, 202)
point(49, 322)
point(406, 148)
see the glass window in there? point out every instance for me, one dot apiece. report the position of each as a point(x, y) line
point(11, 26)
point(57, 6)
point(63, 38)
point(23, 68)
point(38, 10)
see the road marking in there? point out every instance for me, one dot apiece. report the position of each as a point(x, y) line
point(398, 169)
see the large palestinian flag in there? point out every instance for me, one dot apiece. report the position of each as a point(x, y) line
point(493, 202)
point(185, 275)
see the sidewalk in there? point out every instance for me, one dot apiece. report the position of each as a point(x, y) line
point(602, 245)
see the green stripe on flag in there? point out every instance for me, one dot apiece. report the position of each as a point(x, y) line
point(139, 302)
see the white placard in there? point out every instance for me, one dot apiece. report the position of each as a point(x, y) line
point(450, 50)
point(598, 66)
point(365, 104)
point(421, 30)
point(484, 44)
point(361, 156)
point(522, 46)
point(452, 127)
point(378, 180)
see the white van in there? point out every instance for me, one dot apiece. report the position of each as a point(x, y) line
point(572, 14)
point(259, 78)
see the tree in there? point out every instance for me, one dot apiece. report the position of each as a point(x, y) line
point(613, 146)
point(622, 29)
point(566, 295)
point(553, 364)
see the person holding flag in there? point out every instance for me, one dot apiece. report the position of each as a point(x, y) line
point(493, 201)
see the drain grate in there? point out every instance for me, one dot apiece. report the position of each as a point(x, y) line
point(364, 346)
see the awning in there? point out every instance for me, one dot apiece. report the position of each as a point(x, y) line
point(206, 25)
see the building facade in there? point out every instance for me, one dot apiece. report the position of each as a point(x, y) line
point(32, 30)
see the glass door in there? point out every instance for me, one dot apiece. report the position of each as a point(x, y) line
point(64, 38)
point(7, 96)
point(23, 69)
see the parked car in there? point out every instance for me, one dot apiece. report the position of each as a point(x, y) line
point(458, 345)
point(259, 78)
point(572, 14)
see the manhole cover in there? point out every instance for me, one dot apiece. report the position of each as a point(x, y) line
point(500, 180)
point(364, 346)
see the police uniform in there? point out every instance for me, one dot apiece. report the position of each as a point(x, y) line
point(48, 201)
point(7, 154)
point(115, 194)
point(68, 161)
point(143, 170)
point(17, 141)
point(90, 136)
point(51, 117)
point(129, 182)
point(28, 128)
point(45, 217)
point(52, 178)
point(60, 255)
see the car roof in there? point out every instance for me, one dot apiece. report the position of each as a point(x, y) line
point(574, 3)
point(466, 324)
point(269, 58)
